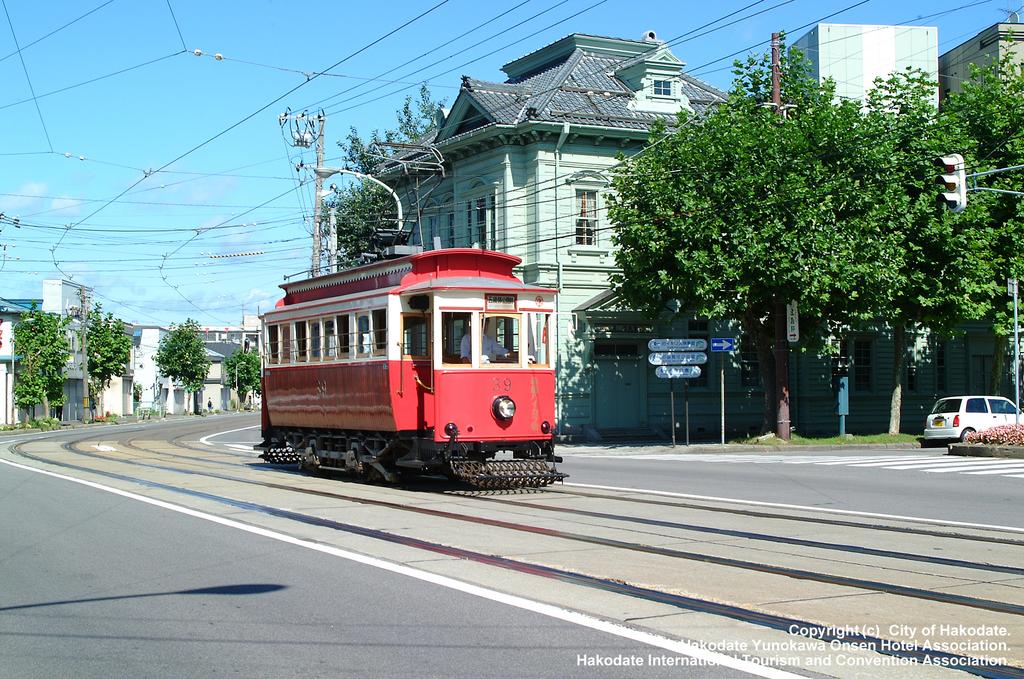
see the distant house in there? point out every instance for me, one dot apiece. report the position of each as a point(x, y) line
point(10, 315)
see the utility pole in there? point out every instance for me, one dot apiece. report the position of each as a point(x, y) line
point(781, 341)
point(318, 199)
point(305, 132)
point(83, 297)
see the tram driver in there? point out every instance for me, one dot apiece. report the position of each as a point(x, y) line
point(492, 349)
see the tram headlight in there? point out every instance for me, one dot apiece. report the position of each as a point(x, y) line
point(504, 408)
point(450, 429)
point(545, 427)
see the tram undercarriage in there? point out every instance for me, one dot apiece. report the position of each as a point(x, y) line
point(384, 456)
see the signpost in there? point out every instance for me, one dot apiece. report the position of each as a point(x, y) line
point(1011, 287)
point(678, 359)
point(725, 345)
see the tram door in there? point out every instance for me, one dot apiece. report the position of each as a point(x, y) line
point(620, 386)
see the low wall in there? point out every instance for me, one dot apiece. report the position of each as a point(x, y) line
point(985, 450)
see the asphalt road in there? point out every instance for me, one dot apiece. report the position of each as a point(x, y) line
point(988, 498)
point(97, 585)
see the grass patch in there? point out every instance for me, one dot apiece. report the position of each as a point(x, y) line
point(800, 440)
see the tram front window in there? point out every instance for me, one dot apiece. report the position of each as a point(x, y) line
point(501, 339)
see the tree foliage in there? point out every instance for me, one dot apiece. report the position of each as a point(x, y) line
point(362, 207)
point(109, 349)
point(989, 110)
point(41, 344)
point(244, 366)
point(744, 210)
point(182, 356)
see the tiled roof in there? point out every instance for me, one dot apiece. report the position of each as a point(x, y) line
point(581, 88)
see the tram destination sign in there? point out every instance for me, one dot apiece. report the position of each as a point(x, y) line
point(677, 372)
point(677, 358)
point(677, 344)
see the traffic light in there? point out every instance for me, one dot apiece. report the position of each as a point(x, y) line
point(954, 182)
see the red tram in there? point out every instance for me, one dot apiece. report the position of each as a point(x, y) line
point(434, 362)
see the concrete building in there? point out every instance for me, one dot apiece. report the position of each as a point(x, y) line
point(853, 55)
point(145, 342)
point(991, 44)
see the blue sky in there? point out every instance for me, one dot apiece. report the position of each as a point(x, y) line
point(87, 166)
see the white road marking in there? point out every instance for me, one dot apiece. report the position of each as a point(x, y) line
point(935, 464)
point(105, 448)
point(576, 618)
point(756, 503)
point(239, 446)
point(1015, 468)
point(205, 440)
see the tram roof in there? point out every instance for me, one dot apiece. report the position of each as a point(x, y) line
point(447, 268)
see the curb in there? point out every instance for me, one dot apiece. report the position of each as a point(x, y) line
point(982, 450)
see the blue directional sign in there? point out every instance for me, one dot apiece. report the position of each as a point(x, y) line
point(676, 372)
point(677, 344)
point(723, 344)
point(677, 358)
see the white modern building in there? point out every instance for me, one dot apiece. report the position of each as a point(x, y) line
point(854, 55)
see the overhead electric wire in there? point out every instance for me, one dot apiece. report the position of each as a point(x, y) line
point(90, 81)
point(56, 30)
point(28, 78)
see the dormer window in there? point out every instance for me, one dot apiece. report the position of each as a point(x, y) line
point(663, 88)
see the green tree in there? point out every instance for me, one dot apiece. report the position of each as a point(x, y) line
point(109, 350)
point(243, 368)
point(182, 356)
point(41, 343)
point(943, 267)
point(741, 212)
point(990, 110)
point(363, 207)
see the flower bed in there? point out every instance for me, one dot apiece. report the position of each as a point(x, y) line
point(1006, 435)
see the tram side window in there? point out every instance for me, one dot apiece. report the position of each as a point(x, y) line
point(537, 328)
point(286, 343)
point(380, 331)
point(344, 337)
point(416, 335)
point(314, 340)
point(272, 343)
point(364, 341)
point(454, 326)
point(300, 341)
point(330, 339)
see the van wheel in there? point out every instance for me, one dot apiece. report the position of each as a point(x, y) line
point(964, 433)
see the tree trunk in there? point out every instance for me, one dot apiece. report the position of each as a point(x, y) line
point(761, 334)
point(999, 343)
point(46, 406)
point(899, 352)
